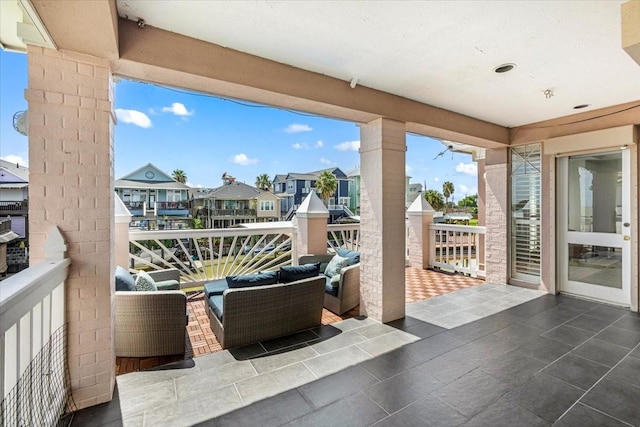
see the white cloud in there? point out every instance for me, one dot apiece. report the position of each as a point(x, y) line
point(319, 144)
point(300, 146)
point(407, 169)
point(242, 160)
point(12, 158)
point(325, 161)
point(467, 168)
point(436, 179)
point(193, 185)
point(178, 109)
point(463, 189)
point(133, 117)
point(297, 127)
point(348, 146)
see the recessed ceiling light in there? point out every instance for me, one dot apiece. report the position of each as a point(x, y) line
point(578, 107)
point(504, 68)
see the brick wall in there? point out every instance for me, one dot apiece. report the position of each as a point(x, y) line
point(496, 217)
point(71, 186)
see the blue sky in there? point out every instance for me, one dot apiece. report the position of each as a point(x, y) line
point(206, 136)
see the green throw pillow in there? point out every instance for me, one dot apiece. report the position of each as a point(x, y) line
point(144, 282)
point(336, 264)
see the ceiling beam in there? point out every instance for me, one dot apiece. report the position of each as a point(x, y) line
point(159, 56)
point(89, 27)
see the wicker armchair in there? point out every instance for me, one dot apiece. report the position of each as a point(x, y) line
point(151, 324)
point(348, 290)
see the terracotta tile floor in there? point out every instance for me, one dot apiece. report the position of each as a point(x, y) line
point(420, 284)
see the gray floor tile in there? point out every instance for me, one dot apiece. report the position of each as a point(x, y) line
point(519, 333)
point(336, 386)
point(247, 351)
point(636, 352)
point(627, 371)
point(374, 330)
point(621, 337)
point(568, 335)
point(326, 331)
point(456, 319)
point(514, 368)
point(353, 323)
point(424, 329)
point(335, 361)
point(214, 360)
point(338, 342)
point(271, 412)
point(490, 346)
point(607, 312)
point(355, 411)
point(134, 401)
point(576, 371)
point(274, 382)
point(601, 351)
point(428, 412)
point(584, 416)
point(443, 309)
point(472, 393)
point(617, 399)
point(452, 365)
point(397, 392)
point(545, 396)
point(589, 323)
point(629, 322)
point(506, 414)
point(283, 358)
point(544, 321)
point(194, 386)
point(289, 340)
point(544, 349)
point(387, 342)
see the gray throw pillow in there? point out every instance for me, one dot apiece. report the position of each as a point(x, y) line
point(336, 264)
point(144, 282)
point(124, 280)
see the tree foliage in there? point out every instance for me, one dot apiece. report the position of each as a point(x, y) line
point(263, 182)
point(326, 185)
point(179, 175)
point(470, 202)
point(447, 191)
point(435, 199)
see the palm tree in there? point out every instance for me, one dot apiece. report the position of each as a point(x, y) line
point(326, 185)
point(263, 182)
point(179, 176)
point(447, 191)
point(435, 199)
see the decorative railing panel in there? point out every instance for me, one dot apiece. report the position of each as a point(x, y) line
point(205, 255)
point(457, 248)
point(343, 235)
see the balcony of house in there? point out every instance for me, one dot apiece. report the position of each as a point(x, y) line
point(226, 213)
point(137, 209)
point(14, 208)
point(172, 208)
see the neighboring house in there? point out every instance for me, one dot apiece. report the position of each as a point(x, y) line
point(152, 194)
point(14, 196)
point(234, 203)
point(411, 190)
point(293, 187)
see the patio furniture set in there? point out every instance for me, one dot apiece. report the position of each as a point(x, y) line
point(151, 309)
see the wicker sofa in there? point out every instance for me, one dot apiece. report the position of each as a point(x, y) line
point(151, 323)
point(259, 313)
point(348, 292)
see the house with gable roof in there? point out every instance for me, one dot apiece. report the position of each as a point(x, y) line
point(149, 193)
point(14, 196)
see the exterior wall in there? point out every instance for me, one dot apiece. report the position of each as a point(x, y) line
point(268, 214)
point(71, 178)
point(382, 226)
point(496, 216)
point(11, 195)
point(548, 229)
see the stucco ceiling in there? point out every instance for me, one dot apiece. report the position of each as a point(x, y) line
point(439, 53)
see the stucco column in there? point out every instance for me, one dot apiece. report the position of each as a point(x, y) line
point(312, 216)
point(420, 215)
point(496, 216)
point(71, 187)
point(382, 224)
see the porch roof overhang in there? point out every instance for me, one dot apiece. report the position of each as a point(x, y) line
point(187, 56)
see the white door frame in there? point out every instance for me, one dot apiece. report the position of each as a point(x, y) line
point(565, 237)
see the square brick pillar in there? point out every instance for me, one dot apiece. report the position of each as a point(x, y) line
point(71, 186)
point(481, 210)
point(382, 219)
point(311, 217)
point(420, 216)
point(496, 215)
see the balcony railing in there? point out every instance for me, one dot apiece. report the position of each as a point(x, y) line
point(229, 212)
point(457, 247)
point(32, 350)
point(171, 205)
point(343, 235)
point(205, 255)
point(9, 207)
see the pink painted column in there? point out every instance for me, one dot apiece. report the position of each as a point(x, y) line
point(496, 216)
point(382, 224)
point(71, 187)
point(312, 217)
point(420, 216)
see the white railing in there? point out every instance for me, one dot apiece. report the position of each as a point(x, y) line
point(343, 235)
point(459, 248)
point(209, 254)
point(32, 307)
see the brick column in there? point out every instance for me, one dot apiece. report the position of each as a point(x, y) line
point(420, 215)
point(496, 216)
point(311, 217)
point(382, 212)
point(71, 186)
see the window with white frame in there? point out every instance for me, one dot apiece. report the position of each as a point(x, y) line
point(174, 196)
point(267, 205)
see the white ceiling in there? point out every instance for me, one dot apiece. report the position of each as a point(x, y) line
point(440, 53)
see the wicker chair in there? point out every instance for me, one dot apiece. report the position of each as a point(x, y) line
point(149, 324)
point(348, 295)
